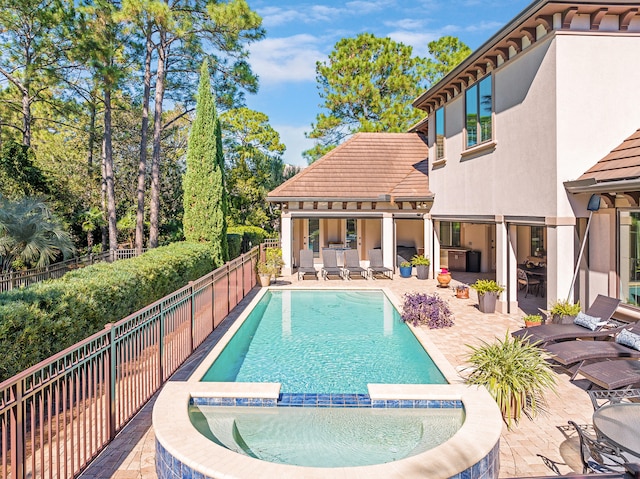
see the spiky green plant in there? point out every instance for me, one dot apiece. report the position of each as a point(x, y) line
point(515, 374)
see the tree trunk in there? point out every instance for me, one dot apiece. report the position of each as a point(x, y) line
point(142, 165)
point(163, 50)
point(108, 170)
point(26, 118)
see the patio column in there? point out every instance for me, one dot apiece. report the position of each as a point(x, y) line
point(387, 240)
point(561, 252)
point(428, 241)
point(286, 242)
point(503, 248)
point(512, 273)
point(435, 237)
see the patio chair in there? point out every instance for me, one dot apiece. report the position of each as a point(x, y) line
point(527, 283)
point(568, 353)
point(612, 374)
point(306, 264)
point(604, 397)
point(352, 265)
point(598, 455)
point(602, 307)
point(330, 267)
point(376, 266)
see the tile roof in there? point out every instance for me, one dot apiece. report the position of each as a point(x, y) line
point(366, 167)
point(623, 163)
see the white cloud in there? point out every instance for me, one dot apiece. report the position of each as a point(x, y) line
point(276, 16)
point(364, 7)
point(295, 141)
point(286, 59)
point(405, 24)
point(483, 26)
point(418, 40)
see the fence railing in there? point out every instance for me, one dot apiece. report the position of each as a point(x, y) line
point(58, 415)
point(18, 279)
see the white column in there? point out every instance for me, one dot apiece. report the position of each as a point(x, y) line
point(502, 251)
point(560, 261)
point(286, 238)
point(512, 285)
point(435, 261)
point(428, 242)
point(387, 240)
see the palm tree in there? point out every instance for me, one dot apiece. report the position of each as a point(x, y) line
point(92, 219)
point(30, 233)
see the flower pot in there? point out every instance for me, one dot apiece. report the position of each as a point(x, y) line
point(462, 293)
point(487, 302)
point(531, 324)
point(405, 271)
point(265, 280)
point(562, 319)
point(422, 271)
point(444, 279)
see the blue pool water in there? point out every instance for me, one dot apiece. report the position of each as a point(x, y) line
point(324, 342)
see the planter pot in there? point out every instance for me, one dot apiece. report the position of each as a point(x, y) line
point(531, 324)
point(422, 271)
point(444, 279)
point(562, 319)
point(487, 302)
point(405, 271)
point(462, 293)
point(265, 280)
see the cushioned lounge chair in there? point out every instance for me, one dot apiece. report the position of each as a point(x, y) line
point(306, 264)
point(330, 267)
point(614, 374)
point(603, 307)
point(376, 266)
point(568, 353)
point(352, 266)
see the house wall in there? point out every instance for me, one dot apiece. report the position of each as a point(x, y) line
point(410, 233)
point(371, 236)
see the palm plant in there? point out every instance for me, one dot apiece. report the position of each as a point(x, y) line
point(515, 374)
point(92, 219)
point(30, 233)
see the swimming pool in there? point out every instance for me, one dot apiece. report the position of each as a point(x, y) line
point(324, 342)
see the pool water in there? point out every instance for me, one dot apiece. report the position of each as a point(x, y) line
point(327, 437)
point(324, 342)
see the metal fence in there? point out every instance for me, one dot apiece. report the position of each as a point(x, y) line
point(19, 279)
point(58, 415)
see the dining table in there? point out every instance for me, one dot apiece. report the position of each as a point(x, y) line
point(619, 424)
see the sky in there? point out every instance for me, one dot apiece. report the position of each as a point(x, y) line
point(299, 33)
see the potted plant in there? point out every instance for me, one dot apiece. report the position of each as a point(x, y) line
point(425, 309)
point(531, 320)
point(273, 258)
point(462, 291)
point(564, 312)
point(422, 266)
point(515, 373)
point(444, 278)
point(265, 271)
point(488, 291)
point(405, 269)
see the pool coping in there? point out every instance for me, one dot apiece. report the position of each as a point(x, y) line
point(463, 451)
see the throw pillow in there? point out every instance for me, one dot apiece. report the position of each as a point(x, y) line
point(627, 338)
point(586, 321)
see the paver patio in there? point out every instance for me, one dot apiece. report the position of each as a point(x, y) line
point(131, 455)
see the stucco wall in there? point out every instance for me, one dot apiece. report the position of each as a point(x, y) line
point(410, 233)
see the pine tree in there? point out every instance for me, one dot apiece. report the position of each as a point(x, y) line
point(203, 183)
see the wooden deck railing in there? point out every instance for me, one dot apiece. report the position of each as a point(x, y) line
point(58, 415)
point(18, 279)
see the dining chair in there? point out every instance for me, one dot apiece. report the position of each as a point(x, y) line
point(525, 281)
point(604, 397)
point(597, 455)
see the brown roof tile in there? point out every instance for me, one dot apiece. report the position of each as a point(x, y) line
point(365, 167)
point(621, 164)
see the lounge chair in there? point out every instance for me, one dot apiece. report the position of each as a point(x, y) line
point(306, 264)
point(376, 266)
point(603, 307)
point(568, 353)
point(330, 267)
point(614, 374)
point(352, 265)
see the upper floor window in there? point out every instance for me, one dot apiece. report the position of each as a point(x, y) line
point(440, 133)
point(479, 106)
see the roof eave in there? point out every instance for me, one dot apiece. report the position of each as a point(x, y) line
point(591, 185)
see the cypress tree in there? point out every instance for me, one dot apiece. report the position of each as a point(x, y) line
point(203, 183)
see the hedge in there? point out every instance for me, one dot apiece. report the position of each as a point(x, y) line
point(251, 235)
point(41, 320)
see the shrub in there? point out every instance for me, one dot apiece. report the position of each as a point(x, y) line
point(251, 235)
point(419, 260)
point(483, 286)
point(234, 241)
point(430, 310)
point(565, 308)
point(47, 317)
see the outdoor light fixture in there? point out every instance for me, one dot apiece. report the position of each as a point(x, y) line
point(594, 205)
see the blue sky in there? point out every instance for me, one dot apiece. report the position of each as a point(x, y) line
point(301, 33)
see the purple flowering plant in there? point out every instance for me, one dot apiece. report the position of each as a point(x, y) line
point(425, 309)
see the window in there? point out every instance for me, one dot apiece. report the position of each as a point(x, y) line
point(537, 241)
point(314, 237)
point(629, 257)
point(440, 133)
point(479, 107)
point(449, 233)
point(351, 240)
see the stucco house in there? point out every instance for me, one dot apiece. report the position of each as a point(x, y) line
point(511, 132)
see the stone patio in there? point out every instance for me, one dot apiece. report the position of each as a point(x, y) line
point(131, 454)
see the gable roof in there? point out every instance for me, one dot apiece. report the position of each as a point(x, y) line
point(623, 163)
point(366, 167)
